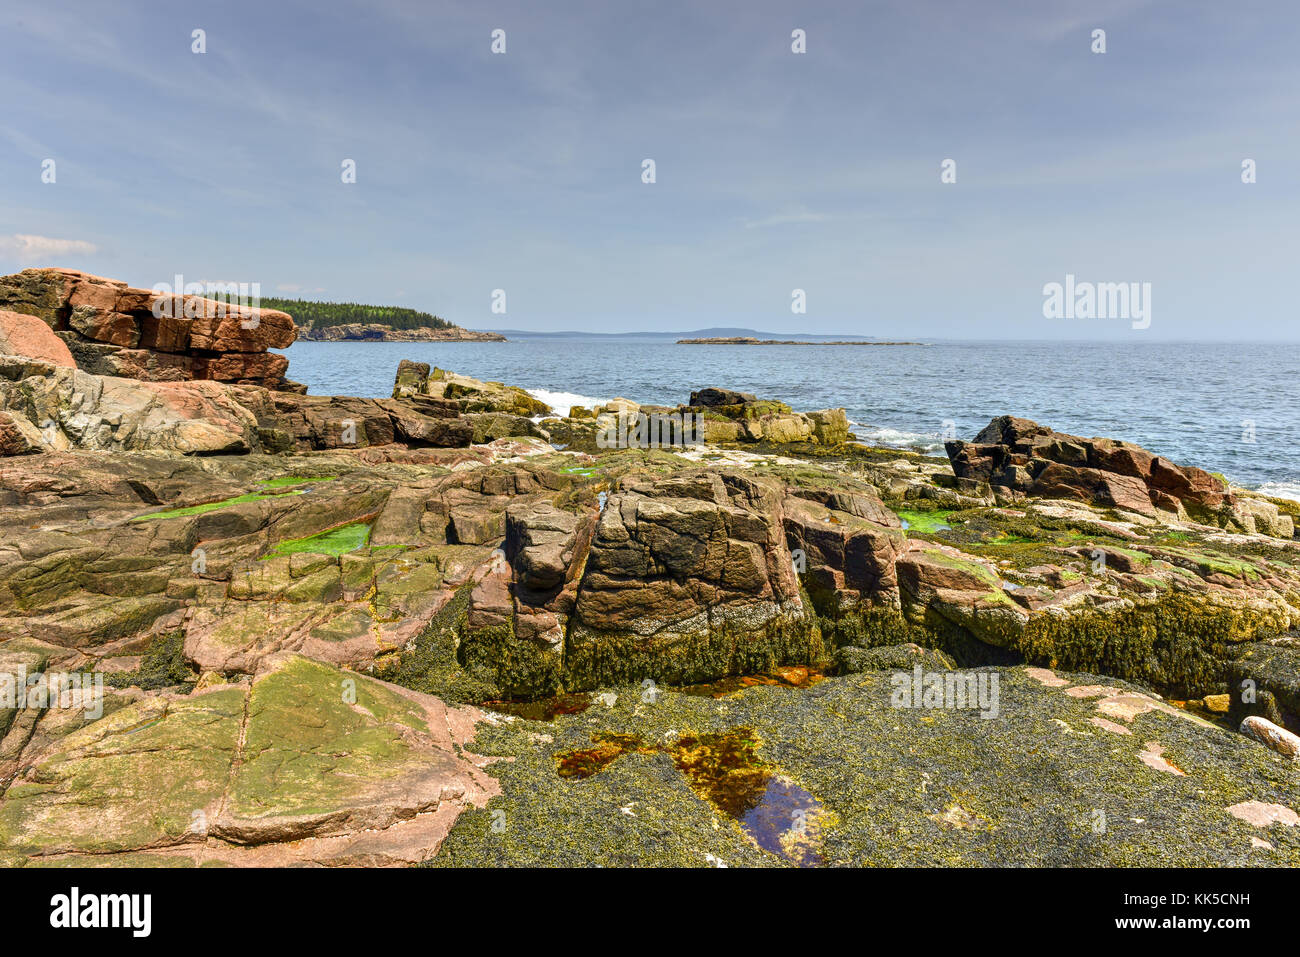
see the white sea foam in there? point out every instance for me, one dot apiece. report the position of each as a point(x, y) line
point(561, 402)
point(896, 438)
point(1289, 490)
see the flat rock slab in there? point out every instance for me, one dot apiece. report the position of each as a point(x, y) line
point(304, 764)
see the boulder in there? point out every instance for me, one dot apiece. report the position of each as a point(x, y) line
point(1021, 456)
point(830, 426)
point(25, 335)
point(1267, 733)
point(711, 397)
point(848, 557)
point(540, 541)
point(732, 416)
point(464, 393)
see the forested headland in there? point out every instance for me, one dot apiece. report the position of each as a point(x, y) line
point(319, 315)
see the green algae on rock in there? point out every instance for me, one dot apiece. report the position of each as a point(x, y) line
point(304, 764)
point(1046, 784)
point(212, 506)
point(336, 541)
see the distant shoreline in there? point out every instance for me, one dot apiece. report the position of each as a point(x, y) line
point(750, 341)
point(375, 332)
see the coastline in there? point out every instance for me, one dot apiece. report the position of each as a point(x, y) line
point(464, 547)
point(751, 341)
point(376, 332)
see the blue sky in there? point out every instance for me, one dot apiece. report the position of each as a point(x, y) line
point(775, 171)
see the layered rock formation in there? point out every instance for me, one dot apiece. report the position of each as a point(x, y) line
point(113, 329)
point(48, 406)
point(1021, 456)
point(724, 417)
point(298, 647)
point(462, 393)
point(512, 570)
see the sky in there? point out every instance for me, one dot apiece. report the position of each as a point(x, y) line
point(774, 170)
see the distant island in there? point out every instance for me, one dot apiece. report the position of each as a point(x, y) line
point(752, 341)
point(356, 322)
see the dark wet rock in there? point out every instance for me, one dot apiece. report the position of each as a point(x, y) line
point(710, 397)
point(1264, 679)
point(1025, 457)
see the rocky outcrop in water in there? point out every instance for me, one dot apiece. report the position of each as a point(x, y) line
point(1022, 457)
point(718, 417)
point(463, 393)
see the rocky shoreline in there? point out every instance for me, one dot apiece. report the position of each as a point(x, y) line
point(377, 332)
point(334, 630)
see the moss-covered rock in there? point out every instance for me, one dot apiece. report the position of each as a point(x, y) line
point(1042, 784)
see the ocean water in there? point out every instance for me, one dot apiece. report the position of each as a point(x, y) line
point(1197, 404)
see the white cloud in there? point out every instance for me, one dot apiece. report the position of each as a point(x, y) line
point(27, 248)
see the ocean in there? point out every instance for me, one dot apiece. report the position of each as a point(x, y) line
point(1229, 408)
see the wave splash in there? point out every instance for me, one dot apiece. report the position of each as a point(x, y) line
point(561, 402)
